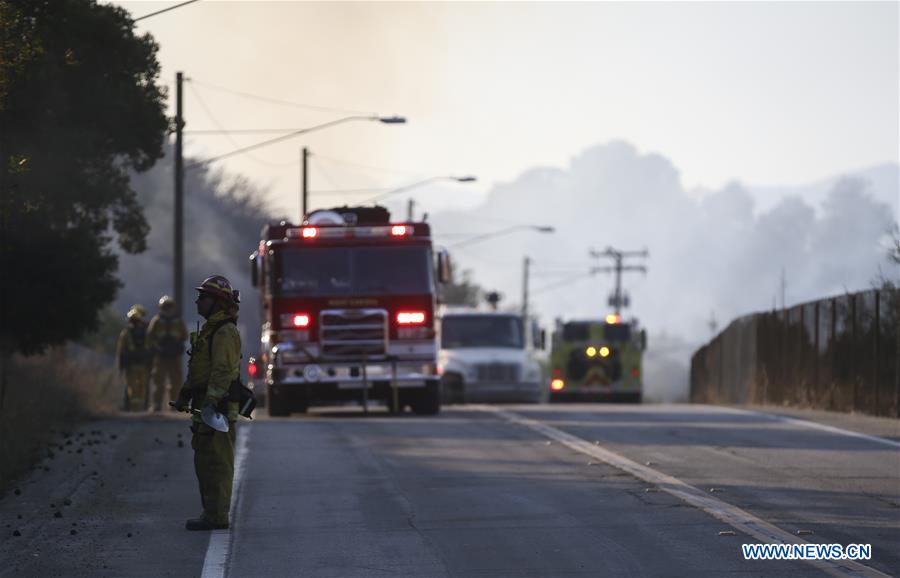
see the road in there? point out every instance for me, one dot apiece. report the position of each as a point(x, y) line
point(541, 490)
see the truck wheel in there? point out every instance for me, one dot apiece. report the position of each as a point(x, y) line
point(276, 405)
point(428, 400)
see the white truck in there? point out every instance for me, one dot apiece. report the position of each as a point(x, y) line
point(490, 356)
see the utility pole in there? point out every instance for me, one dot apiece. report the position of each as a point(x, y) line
point(618, 300)
point(526, 265)
point(410, 209)
point(304, 183)
point(179, 198)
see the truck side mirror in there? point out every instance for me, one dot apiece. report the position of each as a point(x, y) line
point(443, 266)
point(254, 269)
point(643, 340)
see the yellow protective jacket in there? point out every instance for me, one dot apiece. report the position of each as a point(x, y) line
point(166, 336)
point(131, 348)
point(212, 369)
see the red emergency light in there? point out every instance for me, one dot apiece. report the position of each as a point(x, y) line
point(300, 320)
point(411, 317)
point(252, 368)
point(400, 230)
point(309, 232)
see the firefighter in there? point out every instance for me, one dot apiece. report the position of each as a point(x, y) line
point(166, 334)
point(213, 366)
point(134, 359)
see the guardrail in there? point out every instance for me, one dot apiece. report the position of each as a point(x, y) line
point(840, 354)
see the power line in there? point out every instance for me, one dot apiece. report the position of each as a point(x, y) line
point(358, 165)
point(165, 10)
point(215, 121)
point(279, 101)
point(565, 281)
point(276, 140)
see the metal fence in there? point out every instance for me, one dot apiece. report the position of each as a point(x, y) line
point(840, 354)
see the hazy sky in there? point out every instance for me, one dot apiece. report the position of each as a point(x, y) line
point(766, 93)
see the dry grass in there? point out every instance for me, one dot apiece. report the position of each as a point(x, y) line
point(48, 393)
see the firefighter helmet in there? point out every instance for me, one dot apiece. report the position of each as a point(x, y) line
point(166, 302)
point(136, 313)
point(217, 286)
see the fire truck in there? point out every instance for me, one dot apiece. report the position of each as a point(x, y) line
point(348, 310)
point(597, 360)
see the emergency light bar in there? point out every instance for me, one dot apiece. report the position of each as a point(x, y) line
point(340, 232)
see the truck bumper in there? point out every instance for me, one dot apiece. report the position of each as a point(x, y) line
point(346, 381)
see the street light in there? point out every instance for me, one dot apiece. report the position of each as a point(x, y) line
point(304, 155)
point(485, 236)
point(465, 179)
point(293, 133)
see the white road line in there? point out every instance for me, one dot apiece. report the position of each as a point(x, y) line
point(215, 564)
point(732, 515)
point(813, 425)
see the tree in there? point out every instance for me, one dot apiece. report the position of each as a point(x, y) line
point(463, 291)
point(894, 250)
point(80, 107)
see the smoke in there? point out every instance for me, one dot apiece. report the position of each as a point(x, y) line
point(712, 258)
point(223, 216)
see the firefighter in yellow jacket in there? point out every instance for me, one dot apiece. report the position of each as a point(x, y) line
point(213, 366)
point(166, 335)
point(134, 359)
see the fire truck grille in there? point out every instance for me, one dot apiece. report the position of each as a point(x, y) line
point(353, 333)
point(497, 372)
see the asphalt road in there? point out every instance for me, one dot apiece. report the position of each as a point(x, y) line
point(543, 491)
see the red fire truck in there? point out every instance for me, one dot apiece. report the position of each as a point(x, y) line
point(348, 310)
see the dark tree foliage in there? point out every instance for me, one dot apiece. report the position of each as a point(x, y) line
point(462, 291)
point(79, 108)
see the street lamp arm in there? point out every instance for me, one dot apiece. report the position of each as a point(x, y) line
point(466, 179)
point(540, 229)
point(403, 188)
point(281, 138)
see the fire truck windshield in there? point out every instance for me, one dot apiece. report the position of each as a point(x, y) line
point(580, 331)
point(481, 331)
point(326, 271)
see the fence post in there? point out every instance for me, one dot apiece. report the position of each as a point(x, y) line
point(832, 349)
point(876, 374)
point(815, 388)
point(852, 360)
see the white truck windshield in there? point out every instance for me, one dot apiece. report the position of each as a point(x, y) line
point(481, 331)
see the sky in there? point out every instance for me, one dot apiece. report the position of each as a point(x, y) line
point(760, 92)
point(741, 143)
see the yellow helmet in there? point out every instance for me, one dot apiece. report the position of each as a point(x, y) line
point(136, 312)
point(166, 302)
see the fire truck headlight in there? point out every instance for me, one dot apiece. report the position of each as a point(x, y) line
point(557, 384)
point(604, 351)
point(591, 351)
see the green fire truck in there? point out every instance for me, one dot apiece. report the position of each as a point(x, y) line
point(597, 360)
